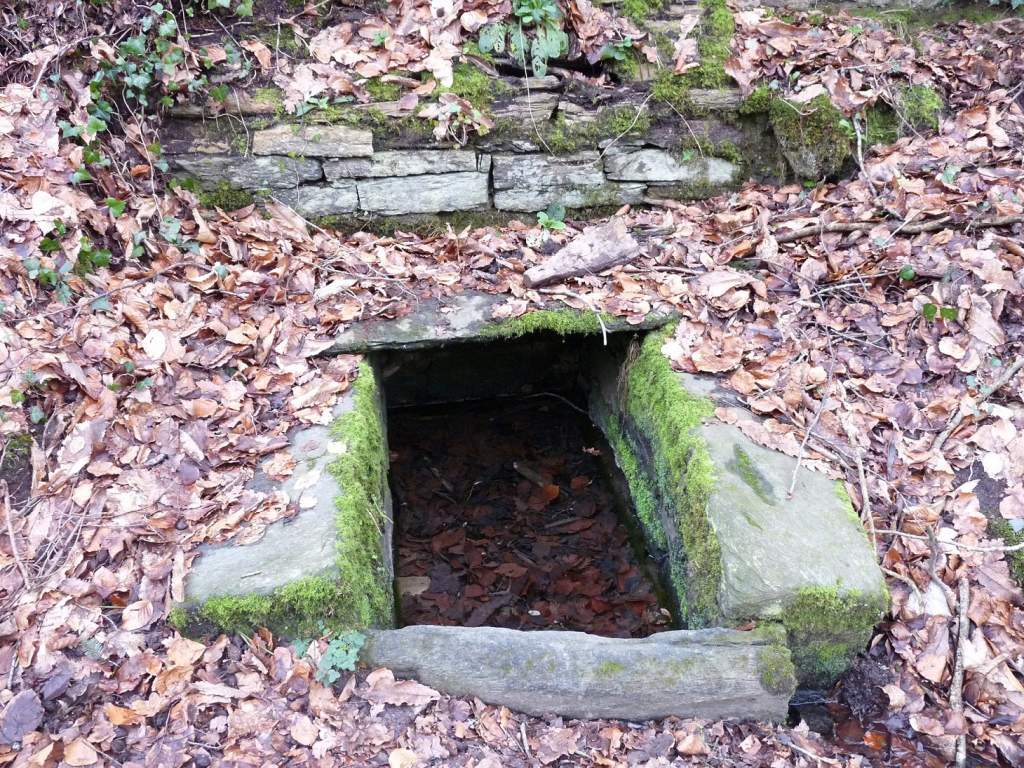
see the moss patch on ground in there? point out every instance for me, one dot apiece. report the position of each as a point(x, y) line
point(713, 39)
point(1001, 528)
point(826, 627)
point(669, 416)
point(918, 109)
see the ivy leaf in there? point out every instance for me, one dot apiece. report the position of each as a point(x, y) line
point(80, 175)
point(930, 311)
point(36, 414)
point(907, 273)
point(116, 206)
point(949, 313)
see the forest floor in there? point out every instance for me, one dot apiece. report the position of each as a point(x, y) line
point(157, 353)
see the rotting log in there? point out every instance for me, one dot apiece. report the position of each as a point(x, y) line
point(714, 673)
point(595, 250)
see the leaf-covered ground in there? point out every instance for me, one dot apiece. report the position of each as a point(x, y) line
point(157, 353)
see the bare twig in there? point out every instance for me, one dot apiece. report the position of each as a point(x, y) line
point(955, 545)
point(585, 300)
point(965, 407)
point(910, 229)
point(810, 429)
point(956, 685)
point(865, 509)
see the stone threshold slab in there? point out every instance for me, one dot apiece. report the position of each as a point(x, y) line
point(469, 317)
point(711, 673)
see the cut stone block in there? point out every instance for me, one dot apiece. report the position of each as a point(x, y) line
point(424, 194)
point(714, 505)
point(537, 199)
point(313, 141)
point(408, 163)
point(470, 317)
point(251, 173)
point(312, 200)
point(533, 182)
point(657, 165)
point(712, 674)
point(332, 563)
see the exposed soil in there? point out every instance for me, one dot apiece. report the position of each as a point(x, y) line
point(505, 518)
point(16, 468)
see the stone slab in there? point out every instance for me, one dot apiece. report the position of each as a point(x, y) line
point(313, 141)
point(411, 162)
point(251, 173)
point(657, 165)
point(435, 193)
point(289, 550)
point(710, 674)
point(432, 323)
point(582, 169)
point(312, 200)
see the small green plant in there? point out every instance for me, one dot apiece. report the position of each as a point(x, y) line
point(931, 311)
point(620, 50)
point(341, 655)
point(538, 36)
point(553, 218)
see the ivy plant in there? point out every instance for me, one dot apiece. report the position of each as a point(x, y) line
point(535, 38)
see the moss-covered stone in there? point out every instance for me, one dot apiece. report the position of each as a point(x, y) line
point(561, 321)
point(918, 109)
point(668, 416)
point(828, 626)
point(815, 136)
point(475, 86)
point(382, 90)
point(352, 590)
point(778, 675)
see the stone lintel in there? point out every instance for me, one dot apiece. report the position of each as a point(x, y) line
point(313, 141)
point(712, 674)
point(395, 196)
point(250, 173)
point(411, 162)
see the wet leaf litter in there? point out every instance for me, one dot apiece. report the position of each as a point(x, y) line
point(506, 517)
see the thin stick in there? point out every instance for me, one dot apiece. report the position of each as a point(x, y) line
point(911, 229)
point(956, 685)
point(986, 393)
point(955, 545)
point(865, 509)
point(585, 300)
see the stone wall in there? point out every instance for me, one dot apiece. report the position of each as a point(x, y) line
point(546, 148)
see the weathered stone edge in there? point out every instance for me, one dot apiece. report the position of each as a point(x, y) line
point(826, 626)
point(358, 593)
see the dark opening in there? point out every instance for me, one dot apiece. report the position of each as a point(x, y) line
point(506, 511)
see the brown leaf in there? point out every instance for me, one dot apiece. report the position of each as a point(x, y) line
point(79, 752)
point(304, 731)
point(384, 689)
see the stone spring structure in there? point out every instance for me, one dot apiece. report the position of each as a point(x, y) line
point(734, 549)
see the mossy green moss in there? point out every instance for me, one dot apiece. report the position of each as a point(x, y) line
point(713, 44)
point(642, 494)
point(223, 196)
point(17, 446)
point(921, 107)
point(361, 471)
point(815, 134)
point(752, 476)
point(561, 321)
point(918, 109)
point(639, 11)
point(475, 86)
point(563, 137)
point(426, 225)
point(303, 608)
point(909, 21)
point(178, 618)
point(668, 416)
point(381, 90)
point(775, 665)
point(758, 102)
point(1002, 529)
point(826, 628)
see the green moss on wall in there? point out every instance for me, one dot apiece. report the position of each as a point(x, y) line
point(775, 665)
point(361, 471)
point(668, 416)
point(609, 669)
point(918, 109)
point(641, 492)
point(816, 131)
point(826, 627)
point(381, 90)
point(758, 102)
point(639, 11)
point(475, 86)
point(713, 44)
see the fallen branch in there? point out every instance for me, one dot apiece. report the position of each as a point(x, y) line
point(986, 393)
point(956, 685)
point(595, 250)
point(910, 229)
